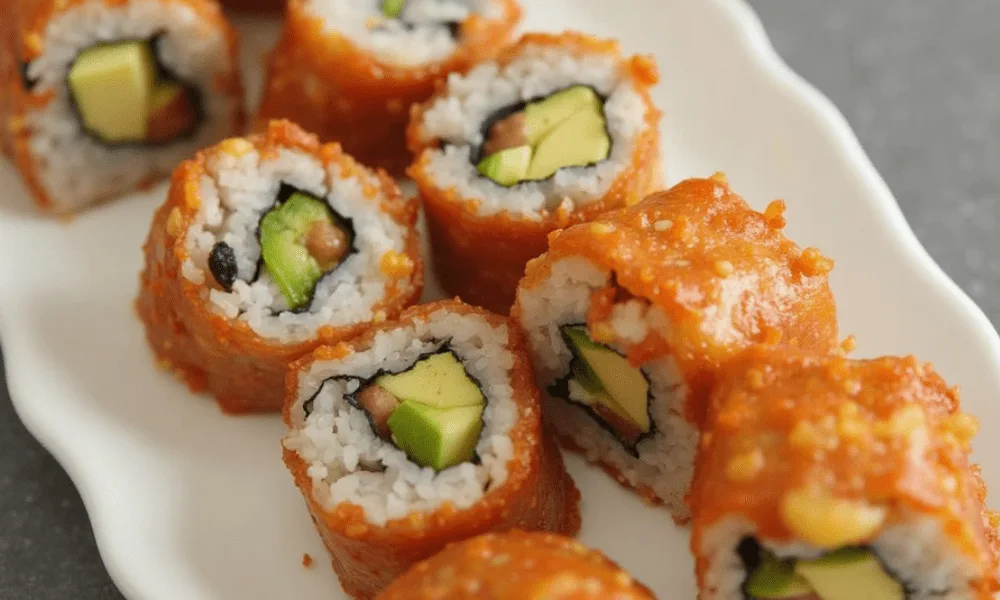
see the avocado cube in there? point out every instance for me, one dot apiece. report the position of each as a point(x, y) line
point(438, 381)
point(112, 85)
point(579, 141)
point(392, 8)
point(849, 574)
point(282, 233)
point(543, 116)
point(774, 579)
point(506, 167)
point(436, 437)
point(626, 389)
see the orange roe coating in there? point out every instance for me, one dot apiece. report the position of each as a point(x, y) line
point(830, 450)
point(538, 494)
point(482, 258)
point(324, 82)
point(724, 275)
point(8, 71)
point(517, 566)
point(30, 19)
point(245, 372)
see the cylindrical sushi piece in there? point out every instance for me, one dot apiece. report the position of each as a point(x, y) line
point(422, 432)
point(825, 478)
point(267, 247)
point(517, 566)
point(629, 317)
point(557, 130)
point(112, 94)
point(350, 70)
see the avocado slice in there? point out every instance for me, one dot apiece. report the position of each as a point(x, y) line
point(578, 141)
point(543, 116)
point(112, 85)
point(282, 246)
point(392, 8)
point(849, 574)
point(776, 578)
point(625, 389)
point(506, 167)
point(436, 437)
point(438, 381)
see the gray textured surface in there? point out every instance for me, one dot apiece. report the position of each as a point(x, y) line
point(918, 79)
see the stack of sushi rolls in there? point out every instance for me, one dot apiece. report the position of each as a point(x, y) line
point(825, 478)
point(265, 248)
point(422, 432)
point(629, 318)
point(112, 94)
point(349, 70)
point(517, 566)
point(555, 131)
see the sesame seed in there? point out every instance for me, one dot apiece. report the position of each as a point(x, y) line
point(601, 228)
point(724, 268)
point(175, 223)
point(663, 225)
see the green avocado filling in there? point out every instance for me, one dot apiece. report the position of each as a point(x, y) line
point(567, 129)
point(433, 411)
point(122, 96)
point(616, 392)
point(845, 574)
point(392, 8)
point(300, 241)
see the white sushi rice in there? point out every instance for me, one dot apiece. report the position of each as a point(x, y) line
point(77, 169)
point(349, 463)
point(457, 120)
point(235, 194)
point(666, 458)
point(914, 549)
point(423, 40)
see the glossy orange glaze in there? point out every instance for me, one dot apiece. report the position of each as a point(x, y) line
point(246, 373)
point(791, 434)
point(324, 82)
point(724, 275)
point(31, 18)
point(538, 494)
point(517, 566)
point(481, 258)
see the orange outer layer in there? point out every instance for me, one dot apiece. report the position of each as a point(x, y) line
point(517, 566)
point(841, 427)
point(324, 82)
point(537, 495)
point(245, 372)
point(482, 258)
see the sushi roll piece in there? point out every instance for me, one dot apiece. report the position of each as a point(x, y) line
point(557, 130)
point(112, 94)
point(349, 70)
point(266, 248)
point(422, 432)
point(517, 566)
point(630, 316)
point(824, 478)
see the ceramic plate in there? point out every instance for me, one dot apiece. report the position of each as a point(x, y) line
point(187, 503)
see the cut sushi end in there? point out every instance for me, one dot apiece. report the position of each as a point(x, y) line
point(123, 95)
point(630, 419)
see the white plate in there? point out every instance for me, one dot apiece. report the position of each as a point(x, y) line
point(187, 503)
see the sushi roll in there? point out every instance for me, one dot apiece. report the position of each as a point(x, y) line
point(557, 130)
point(517, 566)
point(350, 70)
point(629, 317)
point(112, 94)
point(824, 478)
point(266, 248)
point(422, 432)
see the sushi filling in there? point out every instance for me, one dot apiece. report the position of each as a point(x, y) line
point(406, 14)
point(302, 240)
point(848, 573)
point(432, 410)
point(613, 392)
point(530, 141)
point(123, 93)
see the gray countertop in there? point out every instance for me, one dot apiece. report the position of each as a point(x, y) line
point(919, 82)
